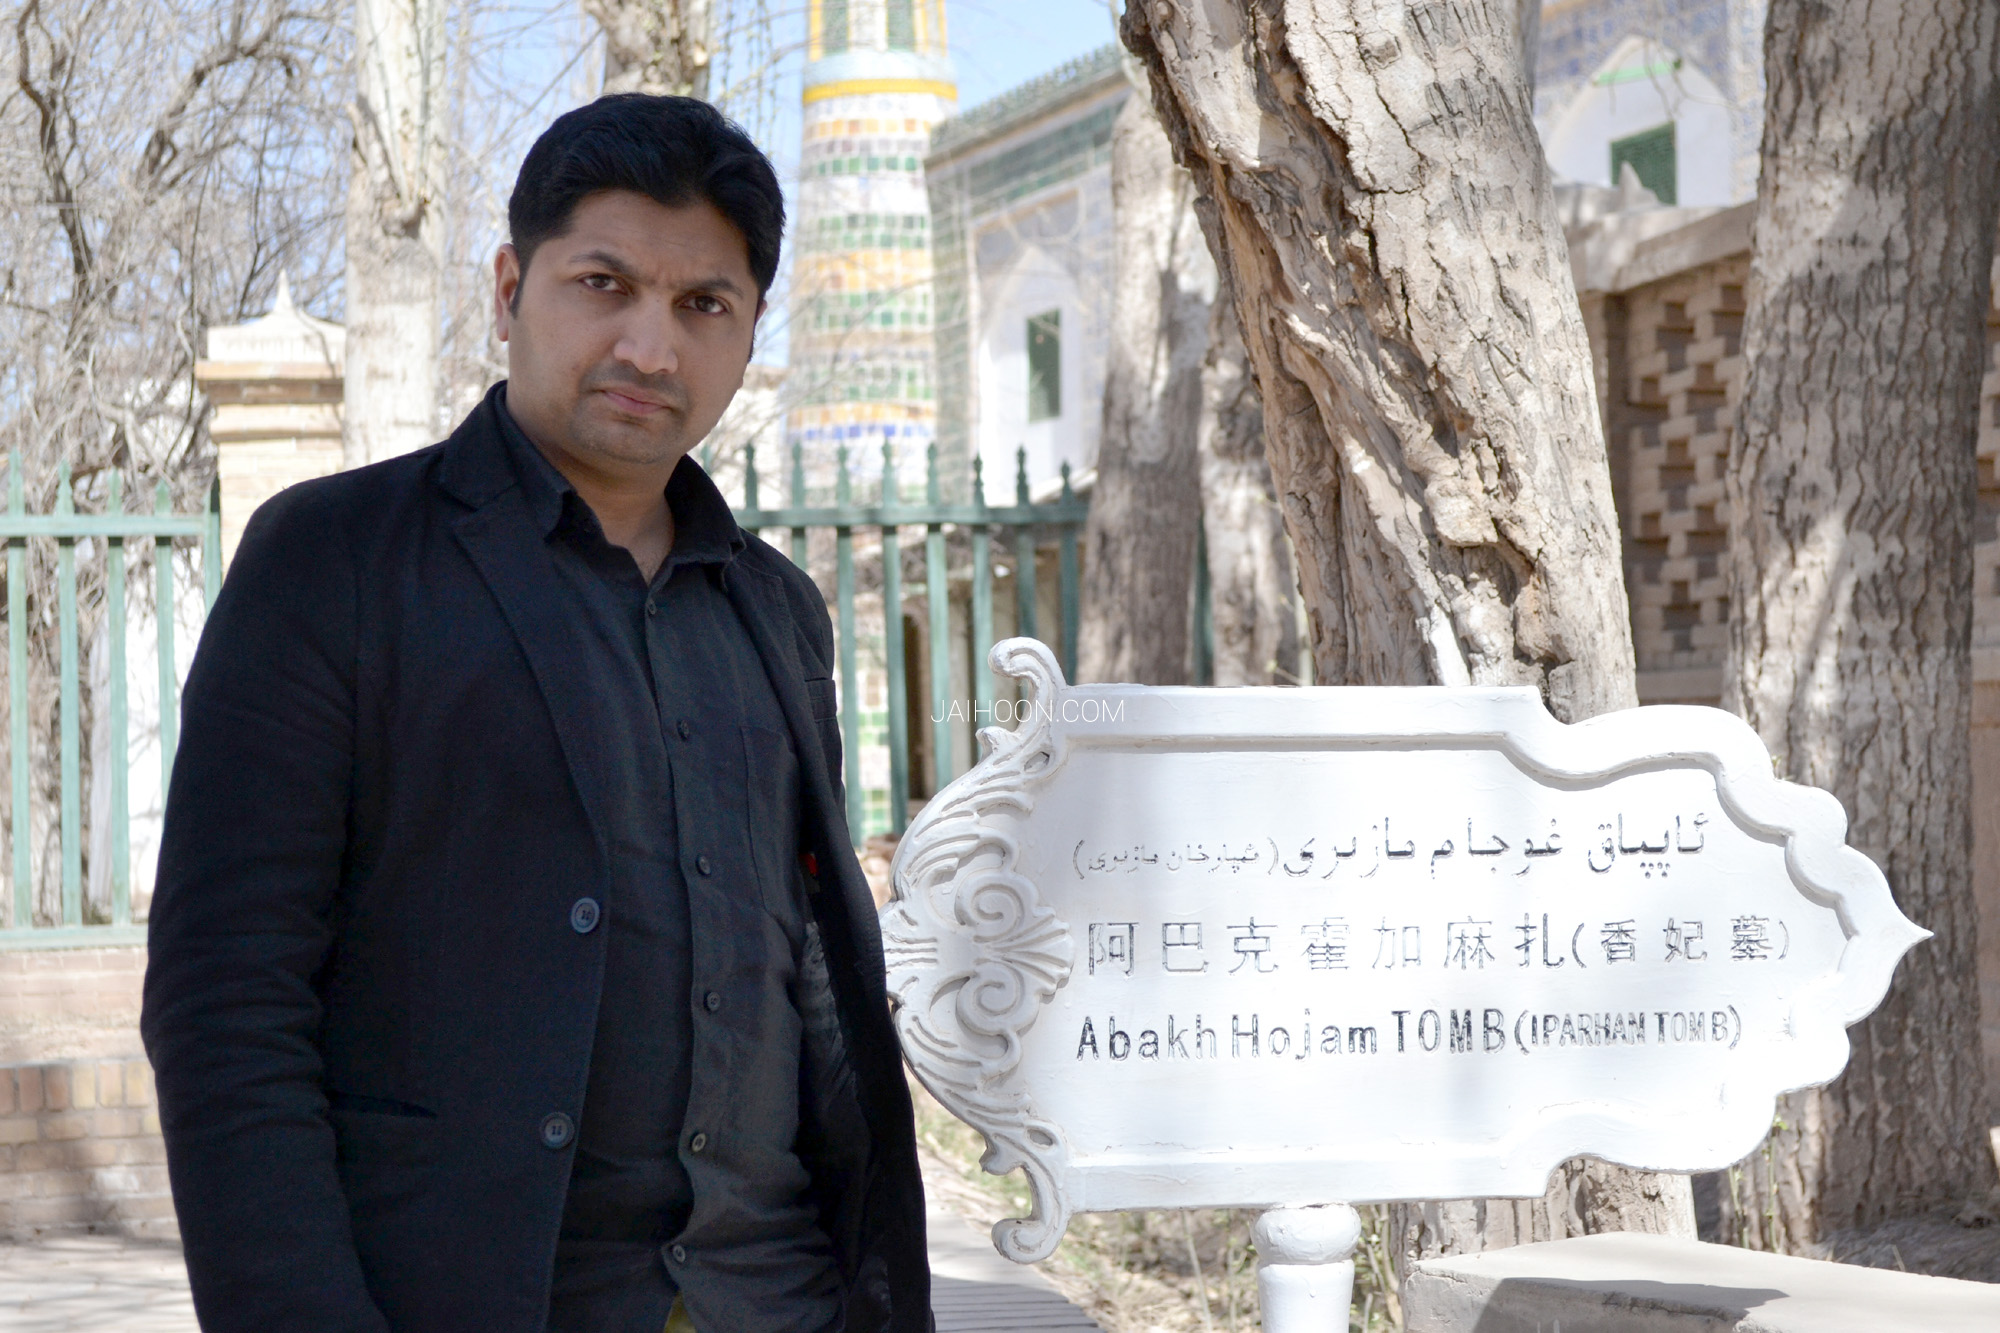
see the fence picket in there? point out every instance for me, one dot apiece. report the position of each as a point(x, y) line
point(850, 702)
point(120, 750)
point(892, 648)
point(937, 592)
point(67, 721)
point(17, 700)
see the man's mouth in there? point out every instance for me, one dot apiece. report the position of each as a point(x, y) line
point(633, 405)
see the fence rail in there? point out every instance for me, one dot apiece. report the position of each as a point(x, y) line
point(1029, 525)
point(66, 528)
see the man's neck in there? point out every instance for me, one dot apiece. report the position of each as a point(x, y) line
point(630, 504)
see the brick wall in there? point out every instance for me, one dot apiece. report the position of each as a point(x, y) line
point(1663, 294)
point(80, 1148)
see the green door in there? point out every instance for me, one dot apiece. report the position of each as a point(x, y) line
point(1651, 153)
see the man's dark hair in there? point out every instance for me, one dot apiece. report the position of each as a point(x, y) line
point(674, 150)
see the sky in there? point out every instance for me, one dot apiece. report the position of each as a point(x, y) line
point(997, 44)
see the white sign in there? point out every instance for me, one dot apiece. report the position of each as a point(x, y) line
point(1173, 948)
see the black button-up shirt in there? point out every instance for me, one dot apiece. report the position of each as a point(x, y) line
point(685, 1175)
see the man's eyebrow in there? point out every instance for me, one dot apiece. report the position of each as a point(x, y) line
point(603, 259)
point(720, 282)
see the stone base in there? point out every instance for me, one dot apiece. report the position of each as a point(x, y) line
point(70, 1004)
point(1652, 1284)
point(80, 1150)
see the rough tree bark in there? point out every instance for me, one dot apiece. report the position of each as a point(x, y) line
point(1253, 594)
point(1851, 499)
point(395, 229)
point(1145, 507)
point(1378, 199)
point(655, 46)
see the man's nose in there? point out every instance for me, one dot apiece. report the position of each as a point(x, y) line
point(649, 342)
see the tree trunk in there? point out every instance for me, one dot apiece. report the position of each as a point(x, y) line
point(1145, 507)
point(1528, 33)
point(1851, 497)
point(1253, 594)
point(395, 230)
point(1376, 193)
point(655, 46)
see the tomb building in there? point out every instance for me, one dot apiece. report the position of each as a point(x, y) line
point(1020, 195)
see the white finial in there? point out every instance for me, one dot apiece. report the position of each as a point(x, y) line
point(282, 305)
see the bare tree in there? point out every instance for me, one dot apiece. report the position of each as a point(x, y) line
point(655, 46)
point(1253, 594)
point(140, 211)
point(1851, 498)
point(1145, 507)
point(1375, 192)
point(395, 229)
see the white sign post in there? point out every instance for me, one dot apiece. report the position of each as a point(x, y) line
point(1295, 949)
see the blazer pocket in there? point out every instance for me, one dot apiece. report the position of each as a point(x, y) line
point(825, 700)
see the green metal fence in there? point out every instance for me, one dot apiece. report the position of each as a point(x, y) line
point(114, 529)
point(1023, 529)
point(866, 537)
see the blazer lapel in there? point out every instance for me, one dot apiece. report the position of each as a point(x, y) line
point(500, 538)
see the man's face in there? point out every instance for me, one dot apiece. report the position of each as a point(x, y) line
point(629, 333)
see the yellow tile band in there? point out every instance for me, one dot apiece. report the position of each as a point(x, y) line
point(857, 87)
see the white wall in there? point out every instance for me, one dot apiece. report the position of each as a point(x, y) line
point(1578, 138)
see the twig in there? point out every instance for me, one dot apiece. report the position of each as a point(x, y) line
point(1200, 1278)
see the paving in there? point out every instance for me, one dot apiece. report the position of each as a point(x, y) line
point(102, 1284)
point(108, 1284)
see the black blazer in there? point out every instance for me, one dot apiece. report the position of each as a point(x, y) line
point(364, 995)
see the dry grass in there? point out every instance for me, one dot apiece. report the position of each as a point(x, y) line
point(1180, 1271)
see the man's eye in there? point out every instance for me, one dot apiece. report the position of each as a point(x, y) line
point(709, 305)
point(600, 282)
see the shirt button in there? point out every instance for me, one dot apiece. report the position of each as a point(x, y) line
point(557, 1130)
point(684, 729)
point(697, 1143)
point(703, 864)
point(583, 916)
point(680, 1254)
point(711, 1001)
point(652, 607)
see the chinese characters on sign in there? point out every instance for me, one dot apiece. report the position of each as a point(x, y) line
point(1467, 944)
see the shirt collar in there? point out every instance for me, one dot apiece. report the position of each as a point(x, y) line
point(705, 532)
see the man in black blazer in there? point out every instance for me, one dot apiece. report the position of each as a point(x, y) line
point(511, 969)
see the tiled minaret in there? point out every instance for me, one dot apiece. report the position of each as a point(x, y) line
point(876, 80)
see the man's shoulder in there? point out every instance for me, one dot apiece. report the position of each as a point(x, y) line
point(800, 590)
point(345, 499)
point(346, 506)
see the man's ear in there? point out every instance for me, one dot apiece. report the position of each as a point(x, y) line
point(756, 321)
point(506, 289)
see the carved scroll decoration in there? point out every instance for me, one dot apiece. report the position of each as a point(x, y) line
point(974, 953)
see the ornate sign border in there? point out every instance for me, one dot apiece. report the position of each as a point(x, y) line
point(975, 953)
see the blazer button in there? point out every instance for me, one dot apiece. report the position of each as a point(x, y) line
point(557, 1130)
point(583, 916)
point(680, 1254)
point(703, 864)
point(711, 1002)
point(684, 729)
point(697, 1143)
